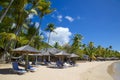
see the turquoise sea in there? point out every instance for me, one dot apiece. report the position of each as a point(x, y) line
point(116, 70)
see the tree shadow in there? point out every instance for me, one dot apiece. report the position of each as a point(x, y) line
point(6, 71)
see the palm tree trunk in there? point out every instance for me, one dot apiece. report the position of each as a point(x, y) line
point(17, 31)
point(49, 37)
point(47, 47)
point(35, 32)
point(2, 17)
point(26, 62)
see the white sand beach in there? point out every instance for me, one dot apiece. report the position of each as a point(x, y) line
point(84, 71)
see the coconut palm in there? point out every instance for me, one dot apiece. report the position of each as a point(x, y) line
point(43, 8)
point(66, 47)
point(110, 47)
point(56, 45)
point(50, 28)
point(91, 51)
point(37, 41)
point(4, 38)
point(99, 51)
point(17, 13)
point(76, 43)
point(4, 14)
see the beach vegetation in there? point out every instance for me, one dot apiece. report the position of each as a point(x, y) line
point(18, 29)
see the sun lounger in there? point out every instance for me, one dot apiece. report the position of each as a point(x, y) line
point(17, 69)
point(32, 69)
point(67, 65)
point(52, 65)
point(59, 64)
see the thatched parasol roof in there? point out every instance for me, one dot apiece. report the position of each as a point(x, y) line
point(35, 54)
point(25, 49)
point(49, 50)
point(73, 55)
point(45, 53)
point(62, 53)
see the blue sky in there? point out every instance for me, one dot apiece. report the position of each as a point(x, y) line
point(96, 20)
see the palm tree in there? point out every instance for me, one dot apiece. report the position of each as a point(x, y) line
point(110, 47)
point(99, 51)
point(50, 28)
point(37, 41)
point(76, 43)
point(4, 14)
point(91, 51)
point(17, 13)
point(56, 45)
point(66, 47)
point(5, 37)
point(44, 8)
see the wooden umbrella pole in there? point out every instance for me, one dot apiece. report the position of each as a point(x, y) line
point(36, 60)
point(26, 63)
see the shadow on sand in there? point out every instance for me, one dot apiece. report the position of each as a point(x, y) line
point(6, 71)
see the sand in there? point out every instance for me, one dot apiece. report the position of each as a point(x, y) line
point(83, 71)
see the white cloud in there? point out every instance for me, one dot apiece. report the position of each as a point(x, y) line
point(37, 24)
point(69, 18)
point(59, 17)
point(61, 35)
point(30, 16)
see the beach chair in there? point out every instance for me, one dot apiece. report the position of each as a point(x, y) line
point(72, 63)
point(45, 62)
point(52, 65)
point(17, 69)
point(67, 64)
point(59, 64)
point(32, 69)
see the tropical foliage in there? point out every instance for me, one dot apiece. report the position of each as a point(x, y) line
point(50, 28)
point(17, 29)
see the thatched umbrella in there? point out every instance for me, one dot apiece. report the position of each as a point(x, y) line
point(49, 52)
point(100, 58)
point(62, 54)
point(36, 56)
point(46, 54)
point(53, 50)
point(26, 50)
point(73, 55)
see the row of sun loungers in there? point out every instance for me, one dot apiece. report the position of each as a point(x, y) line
point(57, 64)
point(60, 64)
point(16, 68)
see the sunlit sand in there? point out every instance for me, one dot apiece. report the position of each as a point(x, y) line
point(83, 71)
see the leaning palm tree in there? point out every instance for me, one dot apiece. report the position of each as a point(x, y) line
point(4, 14)
point(4, 38)
point(44, 8)
point(50, 28)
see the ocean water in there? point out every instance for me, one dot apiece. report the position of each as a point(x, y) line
point(114, 70)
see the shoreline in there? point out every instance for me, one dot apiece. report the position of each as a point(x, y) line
point(114, 70)
point(96, 70)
